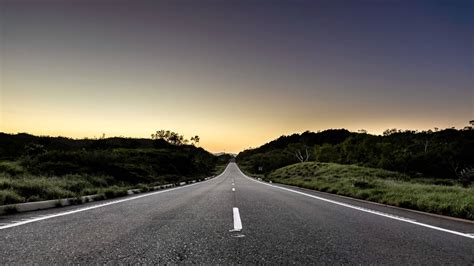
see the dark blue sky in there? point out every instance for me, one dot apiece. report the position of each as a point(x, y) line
point(276, 67)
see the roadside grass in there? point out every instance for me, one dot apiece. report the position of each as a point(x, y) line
point(12, 168)
point(18, 186)
point(219, 169)
point(246, 170)
point(28, 188)
point(115, 191)
point(108, 173)
point(380, 186)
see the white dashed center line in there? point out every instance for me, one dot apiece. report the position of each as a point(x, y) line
point(237, 221)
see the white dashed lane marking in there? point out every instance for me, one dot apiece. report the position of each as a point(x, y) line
point(237, 221)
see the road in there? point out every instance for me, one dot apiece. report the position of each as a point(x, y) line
point(233, 219)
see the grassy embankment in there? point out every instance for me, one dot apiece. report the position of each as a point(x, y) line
point(219, 168)
point(382, 186)
point(108, 173)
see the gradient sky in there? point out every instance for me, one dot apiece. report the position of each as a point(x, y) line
point(236, 73)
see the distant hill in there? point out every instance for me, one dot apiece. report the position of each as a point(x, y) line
point(224, 153)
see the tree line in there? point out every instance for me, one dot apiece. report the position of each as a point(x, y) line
point(167, 157)
point(174, 138)
point(446, 154)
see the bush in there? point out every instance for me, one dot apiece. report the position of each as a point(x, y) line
point(44, 188)
point(114, 191)
point(443, 182)
point(363, 184)
point(466, 176)
point(143, 187)
point(11, 168)
point(10, 197)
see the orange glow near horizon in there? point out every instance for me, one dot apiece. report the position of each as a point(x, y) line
point(231, 121)
point(215, 137)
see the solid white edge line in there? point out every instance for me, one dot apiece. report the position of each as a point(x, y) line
point(18, 223)
point(237, 221)
point(406, 220)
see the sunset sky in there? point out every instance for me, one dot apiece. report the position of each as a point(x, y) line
point(236, 73)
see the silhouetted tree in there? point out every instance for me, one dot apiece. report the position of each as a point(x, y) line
point(389, 132)
point(195, 139)
point(170, 136)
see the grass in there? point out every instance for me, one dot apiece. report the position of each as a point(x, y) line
point(246, 170)
point(22, 187)
point(12, 168)
point(28, 188)
point(37, 188)
point(114, 191)
point(380, 186)
point(219, 169)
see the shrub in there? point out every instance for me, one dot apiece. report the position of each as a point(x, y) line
point(143, 187)
point(443, 182)
point(466, 176)
point(75, 201)
point(10, 197)
point(114, 191)
point(5, 183)
point(43, 187)
point(363, 184)
point(11, 168)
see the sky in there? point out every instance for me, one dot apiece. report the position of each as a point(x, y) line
point(236, 73)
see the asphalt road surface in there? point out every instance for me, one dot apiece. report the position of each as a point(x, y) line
point(233, 219)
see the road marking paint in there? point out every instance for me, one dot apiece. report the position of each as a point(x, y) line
point(366, 210)
point(233, 184)
point(18, 223)
point(233, 189)
point(237, 221)
point(34, 217)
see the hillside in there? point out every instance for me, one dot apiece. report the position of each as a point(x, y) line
point(445, 154)
point(37, 168)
